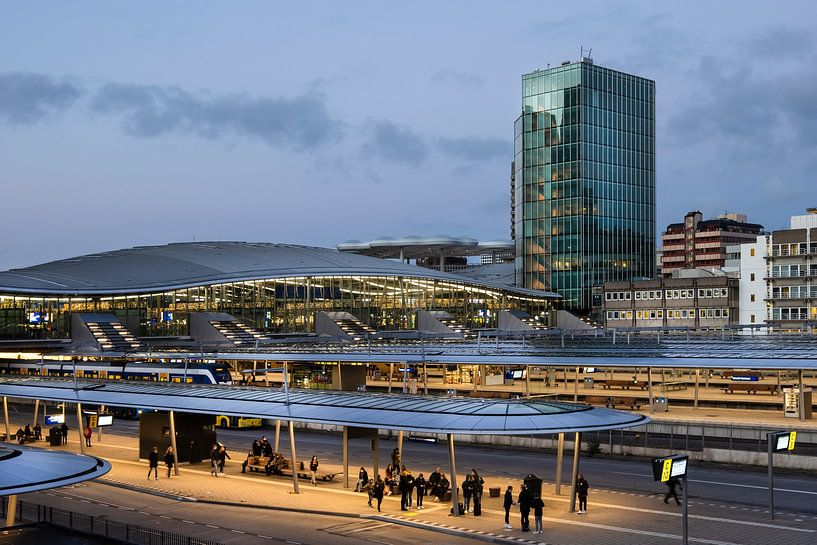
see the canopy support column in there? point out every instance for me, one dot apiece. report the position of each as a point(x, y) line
point(277, 435)
point(295, 489)
point(576, 387)
point(697, 385)
point(36, 412)
point(391, 375)
point(649, 386)
point(80, 428)
point(455, 507)
point(560, 454)
point(100, 412)
point(345, 456)
point(577, 447)
point(173, 443)
point(376, 449)
point(400, 448)
point(800, 395)
point(11, 510)
point(425, 378)
point(6, 418)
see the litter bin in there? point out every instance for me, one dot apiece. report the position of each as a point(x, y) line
point(55, 436)
point(659, 405)
point(588, 383)
point(534, 485)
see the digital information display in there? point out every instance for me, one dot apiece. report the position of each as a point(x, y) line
point(785, 440)
point(664, 469)
point(105, 420)
point(51, 419)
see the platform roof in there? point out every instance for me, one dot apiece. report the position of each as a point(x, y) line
point(415, 413)
point(147, 269)
point(28, 469)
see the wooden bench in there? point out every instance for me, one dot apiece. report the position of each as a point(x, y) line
point(631, 402)
point(675, 385)
point(623, 384)
point(597, 400)
point(750, 387)
point(255, 463)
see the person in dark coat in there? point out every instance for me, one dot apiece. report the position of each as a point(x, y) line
point(313, 470)
point(582, 486)
point(434, 482)
point(420, 485)
point(672, 490)
point(362, 479)
point(402, 486)
point(378, 490)
point(169, 460)
point(222, 459)
point(256, 448)
point(467, 493)
point(64, 432)
point(153, 463)
point(214, 461)
point(442, 488)
point(525, 501)
point(538, 508)
point(27, 433)
point(38, 432)
point(395, 457)
point(507, 503)
point(479, 483)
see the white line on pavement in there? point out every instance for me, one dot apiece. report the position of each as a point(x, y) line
point(757, 487)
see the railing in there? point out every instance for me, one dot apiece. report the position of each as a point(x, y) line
point(100, 525)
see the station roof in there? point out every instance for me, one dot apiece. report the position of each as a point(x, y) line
point(424, 414)
point(146, 269)
point(27, 469)
point(414, 247)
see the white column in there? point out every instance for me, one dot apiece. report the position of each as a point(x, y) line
point(697, 385)
point(391, 374)
point(277, 434)
point(173, 443)
point(577, 446)
point(400, 447)
point(454, 494)
point(6, 417)
point(294, 461)
point(36, 412)
point(99, 412)
point(80, 428)
point(11, 512)
point(560, 454)
point(345, 456)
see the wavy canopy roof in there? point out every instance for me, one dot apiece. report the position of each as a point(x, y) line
point(28, 469)
point(146, 269)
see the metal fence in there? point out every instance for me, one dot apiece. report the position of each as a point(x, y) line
point(100, 525)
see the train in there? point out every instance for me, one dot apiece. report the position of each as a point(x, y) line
point(192, 373)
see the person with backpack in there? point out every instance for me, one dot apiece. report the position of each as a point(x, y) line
point(582, 486)
point(538, 507)
point(420, 485)
point(362, 479)
point(377, 491)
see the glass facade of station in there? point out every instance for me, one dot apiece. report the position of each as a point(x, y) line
point(273, 305)
point(584, 156)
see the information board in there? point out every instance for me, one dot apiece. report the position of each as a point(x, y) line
point(664, 469)
point(785, 440)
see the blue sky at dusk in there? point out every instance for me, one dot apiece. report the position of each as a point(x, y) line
point(127, 124)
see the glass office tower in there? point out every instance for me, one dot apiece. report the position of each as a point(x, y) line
point(584, 199)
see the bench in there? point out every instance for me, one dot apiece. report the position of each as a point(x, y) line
point(728, 374)
point(255, 463)
point(750, 388)
point(623, 384)
point(675, 385)
point(597, 400)
point(631, 402)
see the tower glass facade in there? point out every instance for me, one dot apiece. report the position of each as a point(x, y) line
point(584, 199)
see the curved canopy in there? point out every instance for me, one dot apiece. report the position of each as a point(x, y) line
point(146, 269)
point(413, 247)
point(28, 469)
point(425, 414)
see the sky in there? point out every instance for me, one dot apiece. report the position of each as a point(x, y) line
point(125, 124)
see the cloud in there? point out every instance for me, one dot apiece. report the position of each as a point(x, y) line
point(454, 76)
point(385, 140)
point(476, 148)
point(147, 111)
point(779, 43)
point(26, 98)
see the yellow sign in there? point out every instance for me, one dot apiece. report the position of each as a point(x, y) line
point(92, 420)
point(792, 439)
point(665, 471)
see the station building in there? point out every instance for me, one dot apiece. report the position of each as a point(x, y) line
point(271, 288)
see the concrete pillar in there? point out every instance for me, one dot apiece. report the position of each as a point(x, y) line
point(800, 396)
point(99, 412)
point(294, 458)
point(80, 428)
point(376, 448)
point(576, 387)
point(277, 435)
point(400, 447)
point(425, 378)
point(345, 457)
point(391, 374)
point(6, 418)
point(454, 494)
point(577, 447)
point(697, 384)
point(649, 386)
point(340, 378)
point(560, 453)
point(11, 512)
point(527, 382)
point(173, 443)
point(36, 412)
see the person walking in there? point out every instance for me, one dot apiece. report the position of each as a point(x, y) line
point(582, 486)
point(362, 479)
point(377, 491)
point(169, 461)
point(313, 470)
point(214, 461)
point(467, 492)
point(153, 463)
point(420, 485)
point(64, 433)
point(87, 433)
point(369, 489)
point(507, 503)
point(222, 459)
point(538, 507)
point(672, 490)
point(525, 501)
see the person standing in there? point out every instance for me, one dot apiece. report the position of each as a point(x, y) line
point(582, 486)
point(538, 507)
point(479, 483)
point(313, 470)
point(672, 492)
point(362, 479)
point(467, 492)
point(153, 463)
point(214, 461)
point(64, 433)
point(169, 461)
point(402, 486)
point(420, 485)
point(507, 503)
point(377, 491)
point(525, 500)
point(87, 433)
point(409, 488)
point(38, 432)
point(395, 457)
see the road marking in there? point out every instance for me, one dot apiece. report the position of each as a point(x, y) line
point(188, 521)
point(366, 528)
point(238, 531)
point(212, 526)
point(754, 486)
point(263, 536)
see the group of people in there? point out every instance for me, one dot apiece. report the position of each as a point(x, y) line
point(29, 434)
point(529, 499)
point(153, 462)
point(218, 458)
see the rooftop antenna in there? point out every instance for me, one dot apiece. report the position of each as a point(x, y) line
point(589, 53)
